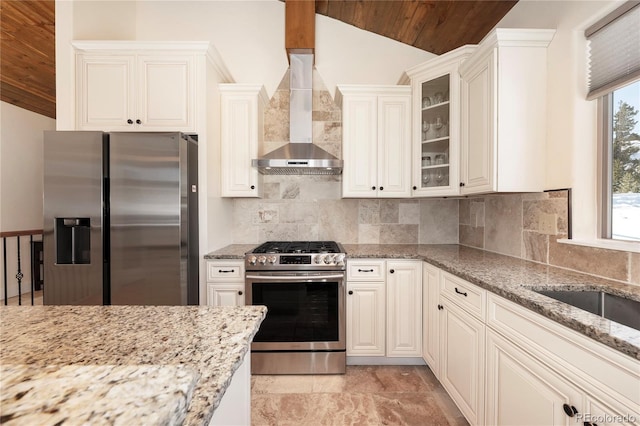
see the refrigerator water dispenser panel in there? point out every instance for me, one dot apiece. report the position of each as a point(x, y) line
point(73, 240)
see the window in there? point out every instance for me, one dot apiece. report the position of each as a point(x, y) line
point(620, 195)
point(614, 79)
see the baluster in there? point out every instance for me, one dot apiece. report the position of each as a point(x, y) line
point(4, 263)
point(19, 274)
point(33, 284)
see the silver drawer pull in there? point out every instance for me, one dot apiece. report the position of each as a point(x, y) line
point(365, 270)
point(460, 292)
point(223, 271)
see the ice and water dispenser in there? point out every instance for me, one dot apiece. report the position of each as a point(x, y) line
point(73, 240)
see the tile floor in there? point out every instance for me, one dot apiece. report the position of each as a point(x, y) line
point(365, 395)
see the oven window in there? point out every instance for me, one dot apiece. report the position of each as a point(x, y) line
point(297, 312)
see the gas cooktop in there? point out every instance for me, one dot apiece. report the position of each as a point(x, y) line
point(296, 255)
point(299, 247)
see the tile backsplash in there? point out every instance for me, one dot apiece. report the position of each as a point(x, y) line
point(310, 207)
point(529, 226)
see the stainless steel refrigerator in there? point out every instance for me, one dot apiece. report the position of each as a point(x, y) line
point(120, 218)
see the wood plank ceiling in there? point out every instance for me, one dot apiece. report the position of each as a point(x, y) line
point(436, 26)
point(27, 60)
point(27, 46)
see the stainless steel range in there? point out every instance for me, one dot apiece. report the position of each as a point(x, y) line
point(302, 285)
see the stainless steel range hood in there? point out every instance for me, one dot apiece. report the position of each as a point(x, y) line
point(300, 156)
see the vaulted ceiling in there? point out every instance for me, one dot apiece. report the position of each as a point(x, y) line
point(27, 46)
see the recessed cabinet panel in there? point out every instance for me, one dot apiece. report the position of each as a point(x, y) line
point(520, 390)
point(404, 301)
point(366, 319)
point(242, 122)
point(462, 360)
point(105, 96)
point(478, 172)
point(431, 317)
point(394, 153)
point(359, 147)
point(166, 92)
point(225, 295)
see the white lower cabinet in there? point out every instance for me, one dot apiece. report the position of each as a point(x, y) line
point(521, 390)
point(503, 364)
point(384, 309)
point(404, 308)
point(366, 318)
point(462, 359)
point(225, 283)
point(431, 317)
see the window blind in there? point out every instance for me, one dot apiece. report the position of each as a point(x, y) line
point(614, 50)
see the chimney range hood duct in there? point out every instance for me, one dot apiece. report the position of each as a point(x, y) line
point(300, 156)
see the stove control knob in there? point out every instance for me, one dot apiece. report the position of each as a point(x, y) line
point(340, 259)
point(252, 260)
point(328, 259)
point(319, 258)
point(272, 260)
point(262, 260)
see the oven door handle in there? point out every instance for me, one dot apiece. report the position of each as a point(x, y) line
point(294, 277)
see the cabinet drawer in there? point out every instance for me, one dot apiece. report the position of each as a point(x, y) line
point(369, 270)
point(217, 271)
point(464, 294)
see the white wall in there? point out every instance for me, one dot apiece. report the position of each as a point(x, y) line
point(250, 38)
point(21, 136)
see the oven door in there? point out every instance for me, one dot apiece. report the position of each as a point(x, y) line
point(306, 310)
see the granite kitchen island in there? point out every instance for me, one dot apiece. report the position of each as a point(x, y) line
point(120, 364)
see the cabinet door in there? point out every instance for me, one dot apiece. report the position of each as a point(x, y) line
point(478, 128)
point(166, 98)
point(404, 308)
point(596, 413)
point(430, 317)
point(522, 391)
point(394, 146)
point(359, 146)
point(225, 294)
point(366, 318)
point(462, 360)
point(105, 92)
point(242, 128)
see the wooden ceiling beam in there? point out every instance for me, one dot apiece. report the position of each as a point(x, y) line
point(300, 26)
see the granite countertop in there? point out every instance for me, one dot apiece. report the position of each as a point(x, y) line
point(167, 357)
point(234, 251)
point(509, 277)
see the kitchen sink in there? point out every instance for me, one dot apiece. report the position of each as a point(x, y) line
point(615, 308)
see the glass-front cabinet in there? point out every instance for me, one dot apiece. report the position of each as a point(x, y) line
point(436, 124)
point(435, 133)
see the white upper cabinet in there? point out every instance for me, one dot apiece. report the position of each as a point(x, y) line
point(376, 141)
point(137, 86)
point(242, 126)
point(503, 138)
point(435, 87)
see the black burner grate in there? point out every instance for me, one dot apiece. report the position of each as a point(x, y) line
point(298, 247)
